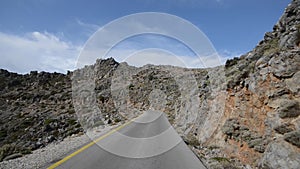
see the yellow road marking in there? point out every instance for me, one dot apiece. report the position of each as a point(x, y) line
point(89, 145)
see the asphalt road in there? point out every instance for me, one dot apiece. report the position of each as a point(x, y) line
point(148, 142)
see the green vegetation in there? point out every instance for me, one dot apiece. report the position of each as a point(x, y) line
point(131, 86)
point(26, 123)
point(231, 62)
point(72, 122)
point(9, 149)
point(271, 47)
point(220, 159)
point(192, 140)
point(48, 121)
point(43, 105)
point(25, 151)
point(212, 147)
point(3, 134)
point(62, 107)
point(6, 150)
point(117, 120)
point(71, 111)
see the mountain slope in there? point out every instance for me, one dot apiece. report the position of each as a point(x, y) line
point(245, 113)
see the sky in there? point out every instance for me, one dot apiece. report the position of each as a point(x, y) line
point(49, 35)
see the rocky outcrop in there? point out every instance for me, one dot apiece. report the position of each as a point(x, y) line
point(241, 115)
point(280, 154)
point(263, 99)
point(36, 109)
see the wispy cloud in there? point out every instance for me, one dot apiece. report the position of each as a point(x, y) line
point(41, 51)
point(89, 28)
point(142, 24)
point(45, 51)
point(226, 54)
point(158, 56)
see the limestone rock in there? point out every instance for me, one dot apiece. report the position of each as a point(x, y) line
point(12, 156)
point(289, 108)
point(293, 137)
point(284, 128)
point(280, 154)
point(293, 83)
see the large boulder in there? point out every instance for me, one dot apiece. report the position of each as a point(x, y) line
point(293, 137)
point(288, 108)
point(280, 154)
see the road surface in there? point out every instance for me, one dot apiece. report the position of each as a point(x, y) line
point(148, 142)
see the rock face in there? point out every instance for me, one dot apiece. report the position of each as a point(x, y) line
point(280, 154)
point(263, 98)
point(241, 115)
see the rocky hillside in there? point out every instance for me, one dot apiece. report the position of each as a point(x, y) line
point(241, 115)
point(261, 123)
point(35, 109)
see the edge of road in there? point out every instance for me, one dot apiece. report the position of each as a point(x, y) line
point(58, 163)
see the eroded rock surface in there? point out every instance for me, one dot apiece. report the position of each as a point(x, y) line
point(241, 115)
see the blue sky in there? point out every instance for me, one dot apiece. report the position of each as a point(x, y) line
point(49, 34)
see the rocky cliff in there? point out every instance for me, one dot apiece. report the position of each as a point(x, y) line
point(261, 115)
point(244, 114)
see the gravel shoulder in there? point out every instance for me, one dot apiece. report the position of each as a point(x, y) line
point(44, 157)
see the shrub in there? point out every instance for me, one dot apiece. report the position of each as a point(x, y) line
point(3, 134)
point(271, 47)
point(48, 121)
point(131, 86)
point(231, 62)
point(220, 159)
point(72, 122)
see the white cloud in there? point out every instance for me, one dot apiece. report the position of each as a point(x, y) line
point(149, 23)
point(47, 52)
point(44, 51)
point(37, 51)
point(158, 56)
point(226, 54)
